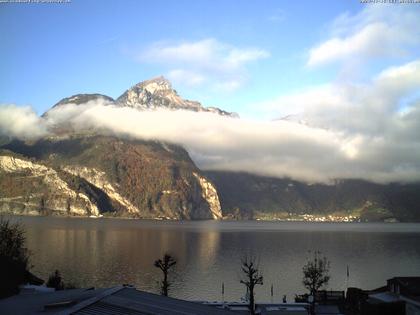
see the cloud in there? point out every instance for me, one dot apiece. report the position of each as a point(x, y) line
point(355, 108)
point(373, 40)
point(377, 134)
point(375, 32)
point(208, 61)
point(217, 142)
point(341, 131)
point(21, 122)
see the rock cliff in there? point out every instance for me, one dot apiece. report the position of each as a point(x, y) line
point(32, 188)
point(103, 175)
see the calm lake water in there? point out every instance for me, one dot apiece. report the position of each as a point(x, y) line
point(108, 252)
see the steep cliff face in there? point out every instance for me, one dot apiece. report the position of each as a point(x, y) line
point(99, 180)
point(143, 179)
point(209, 193)
point(32, 188)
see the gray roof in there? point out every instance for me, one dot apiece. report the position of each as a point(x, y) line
point(126, 300)
point(134, 302)
point(119, 300)
point(34, 302)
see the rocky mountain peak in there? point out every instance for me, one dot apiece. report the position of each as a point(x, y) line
point(158, 93)
point(153, 94)
point(155, 85)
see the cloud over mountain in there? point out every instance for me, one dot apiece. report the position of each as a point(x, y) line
point(348, 131)
point(21, 122)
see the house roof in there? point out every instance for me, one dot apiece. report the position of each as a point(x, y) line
point(119, 300)
point(135, 302)
point(126, 300)
point(33, 302)
point(386, 297)
point(410, 284)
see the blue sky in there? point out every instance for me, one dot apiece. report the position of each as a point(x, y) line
point(50, 51)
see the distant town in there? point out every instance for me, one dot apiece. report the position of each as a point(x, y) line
point(318, 218)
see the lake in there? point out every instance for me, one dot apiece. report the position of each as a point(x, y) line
point(108, 252)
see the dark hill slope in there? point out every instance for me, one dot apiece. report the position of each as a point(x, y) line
point(249, 195)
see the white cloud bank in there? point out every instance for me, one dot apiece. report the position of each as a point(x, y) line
point(192, 63)
point(351, 131)
point(215, 142)
point(378, 123)
point(21, 122)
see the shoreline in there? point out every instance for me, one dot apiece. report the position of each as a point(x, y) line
point(313, 219)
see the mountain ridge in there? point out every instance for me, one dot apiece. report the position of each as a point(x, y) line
point(152, 94)
point(244, 195)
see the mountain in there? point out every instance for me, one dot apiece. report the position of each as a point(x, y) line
point(245, 195)
point(101, 175)
point(84, 173)
point(158, 93)
point(151, 94)
point(84, 98)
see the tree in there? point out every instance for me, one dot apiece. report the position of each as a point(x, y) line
point(55, 281)
point(14, 257)
point(252, 277)
point(165, 265)
point(316, 273)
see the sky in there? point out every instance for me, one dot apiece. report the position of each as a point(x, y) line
point(57, 50)
point(324, 89)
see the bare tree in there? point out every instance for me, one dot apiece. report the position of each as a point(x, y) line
point(252, 277)
point(165, 265)
point(316, 272)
